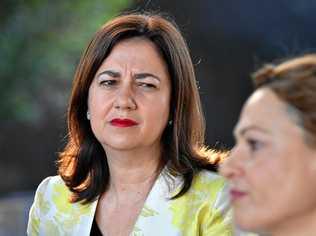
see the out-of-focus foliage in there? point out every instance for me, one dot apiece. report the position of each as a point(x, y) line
point(40, 46)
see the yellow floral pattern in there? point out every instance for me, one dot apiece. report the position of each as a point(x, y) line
point(201, 211)
point(52, 213)
point(200, 216)
point(147, 212)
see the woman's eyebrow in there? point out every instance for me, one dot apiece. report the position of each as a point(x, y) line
point(144, 75)
point(111, 73)
point(241, 131)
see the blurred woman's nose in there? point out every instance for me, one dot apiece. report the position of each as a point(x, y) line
point(125, 97)
point(232, 167)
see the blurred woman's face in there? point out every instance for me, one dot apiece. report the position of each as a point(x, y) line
point(129, 97)
point(272, 171)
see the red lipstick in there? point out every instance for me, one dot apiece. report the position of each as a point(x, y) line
point(123, 122)
point(236, 194)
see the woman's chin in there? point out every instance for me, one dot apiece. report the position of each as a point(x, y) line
point(252, 224)
point(246, 223)
point(121, 146)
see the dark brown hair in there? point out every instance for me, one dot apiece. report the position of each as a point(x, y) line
point(83, 163)
point(294, 81)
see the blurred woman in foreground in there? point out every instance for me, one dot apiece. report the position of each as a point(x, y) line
point(272, 168)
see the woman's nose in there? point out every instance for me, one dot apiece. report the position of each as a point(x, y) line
point(232, 167)
point(125, 98)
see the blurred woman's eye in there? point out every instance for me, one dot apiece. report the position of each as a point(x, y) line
point(254, 144)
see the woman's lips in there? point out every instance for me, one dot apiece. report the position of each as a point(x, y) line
point(123, 122)
point(236, 194)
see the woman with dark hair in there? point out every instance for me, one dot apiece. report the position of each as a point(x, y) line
point(134, 163)
point(272, 168)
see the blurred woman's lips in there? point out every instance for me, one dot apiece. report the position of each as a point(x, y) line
point(123, 122)
point(236, 194)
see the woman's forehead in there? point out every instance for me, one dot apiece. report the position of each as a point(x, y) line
point(265, 111)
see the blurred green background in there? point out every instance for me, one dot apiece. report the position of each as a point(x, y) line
point(40, 46)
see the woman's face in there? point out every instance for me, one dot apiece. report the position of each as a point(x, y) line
point(129, 97)
point(272, 171)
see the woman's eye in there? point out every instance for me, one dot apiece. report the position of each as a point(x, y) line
point(254, 144)
point(108, 83)
point(146, 85)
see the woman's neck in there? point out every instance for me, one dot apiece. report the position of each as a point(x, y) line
point(132, 176)
point(300, 225)
point(133, 168)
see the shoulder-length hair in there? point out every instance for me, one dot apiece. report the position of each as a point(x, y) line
point(83, 163)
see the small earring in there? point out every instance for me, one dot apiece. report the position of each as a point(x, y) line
point(88, 115)
point(170, 122)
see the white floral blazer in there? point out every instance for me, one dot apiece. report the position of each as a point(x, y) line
point(203, 210)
